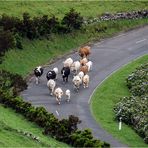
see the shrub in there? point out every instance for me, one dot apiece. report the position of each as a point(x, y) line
point(18, 42)
point(8, 22)
point(7, 41)
point(12, 81)
point(137, 81)
point(72, 20)
point(85, 139)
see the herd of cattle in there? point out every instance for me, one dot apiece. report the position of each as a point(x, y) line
point(79, 68)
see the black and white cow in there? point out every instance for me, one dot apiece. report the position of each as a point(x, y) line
point(65, 73)
point(51, 75)
point(38, 71)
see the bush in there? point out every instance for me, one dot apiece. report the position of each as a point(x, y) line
point(72, 20)
point(12, 82)
point(7, 41)
point(8, 22)
point(40, 26)
point(18, 41)
point(85, 139)
point(137, 81)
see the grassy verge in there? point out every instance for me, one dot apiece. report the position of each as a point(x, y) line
point(107, 95)
point(38, 52)
point(59, 8)
point(9, 138)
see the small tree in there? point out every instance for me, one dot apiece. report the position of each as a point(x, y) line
point(73, 19)
point(7, 41)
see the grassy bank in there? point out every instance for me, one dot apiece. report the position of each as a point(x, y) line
point(59, 8)
point(9, 120)
point(38, 52)
point(107, 95)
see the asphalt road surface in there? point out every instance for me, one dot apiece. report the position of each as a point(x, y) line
point(107, 56)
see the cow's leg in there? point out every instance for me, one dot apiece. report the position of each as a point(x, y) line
point(67, 79)
point(63, 79)
point(37, 80)
point(58, 101)
point(87, 85)
point(84, 85)
point(52, 91)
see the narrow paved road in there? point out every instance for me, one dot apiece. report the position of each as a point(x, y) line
point(107, 56)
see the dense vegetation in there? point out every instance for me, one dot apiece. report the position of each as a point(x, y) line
point(107, 95)
point(13, 28)
point(133, 110)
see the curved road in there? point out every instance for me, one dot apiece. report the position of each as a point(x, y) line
point(107, 56)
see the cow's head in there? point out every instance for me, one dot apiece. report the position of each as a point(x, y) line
point(59, 94)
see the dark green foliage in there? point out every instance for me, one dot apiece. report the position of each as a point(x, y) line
point(85, 139)
point(18, 41)
point(64, 130)
point(29, 29)
point(12, 82)
point(72, 20)
point(134, 109)
point(40, 26)
point(7, 41)
point(8, 22)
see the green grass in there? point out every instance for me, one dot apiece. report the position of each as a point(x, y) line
point(38, 52)
point(9, 120)
point(59, 8)
point(107, 95)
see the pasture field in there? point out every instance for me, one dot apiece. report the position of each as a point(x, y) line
point(10, 121)
point(60, 7)
point(107, 95)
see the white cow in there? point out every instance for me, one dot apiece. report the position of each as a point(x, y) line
point(81, 74)
point(58, 94)
point(67, 93)
point(51, 85)
point(75, 66)
point(38, 71)
point(56, 71)
point(85, 80)
point(68, 62)
point(89, 64)
point(77, 82)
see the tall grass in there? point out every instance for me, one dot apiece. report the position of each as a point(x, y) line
point(59, 8)
point(105, 98)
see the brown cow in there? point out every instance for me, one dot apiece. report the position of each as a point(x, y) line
point(85, 51)
point(84, 69)
point(83, 61)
